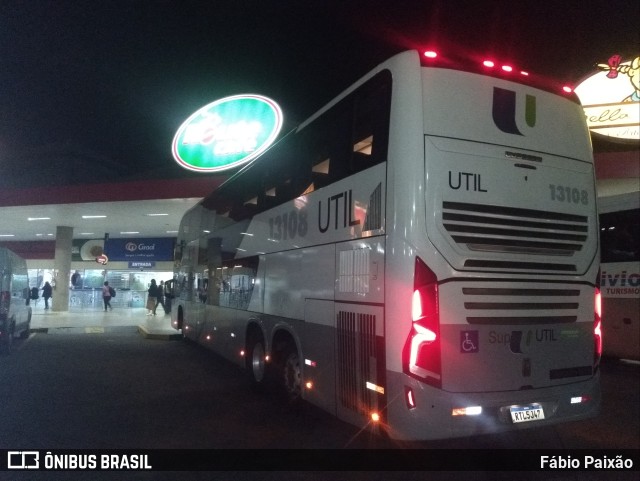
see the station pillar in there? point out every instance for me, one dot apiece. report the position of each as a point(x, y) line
point(62, 268)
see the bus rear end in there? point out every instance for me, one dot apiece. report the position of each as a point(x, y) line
point(504, 331)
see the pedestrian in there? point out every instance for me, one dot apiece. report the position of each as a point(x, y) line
point(160, 298)
point(168, 295)
point(152, 298)
point(76, 280)
point(47, 292)
point(106, 296)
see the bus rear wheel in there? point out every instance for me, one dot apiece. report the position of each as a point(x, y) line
point(6, 344)
point(256, 361)
point(292, 375)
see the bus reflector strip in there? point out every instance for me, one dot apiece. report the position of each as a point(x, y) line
point(374, 387)
point(408, 395)
point(468, 411)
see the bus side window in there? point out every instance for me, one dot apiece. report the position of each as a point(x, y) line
point(361, 158)
point(371, 124)
point(619, 236)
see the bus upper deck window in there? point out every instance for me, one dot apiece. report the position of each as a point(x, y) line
point(322, 167)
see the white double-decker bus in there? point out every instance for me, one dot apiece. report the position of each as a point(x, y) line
point(422, 253)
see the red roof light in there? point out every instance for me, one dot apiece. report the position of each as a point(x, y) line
point(489, 63)
point(430, 54)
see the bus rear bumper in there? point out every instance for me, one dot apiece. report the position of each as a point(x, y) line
point(422, 412)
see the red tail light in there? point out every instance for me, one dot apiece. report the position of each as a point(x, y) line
point(597, 330)
point(422, 350)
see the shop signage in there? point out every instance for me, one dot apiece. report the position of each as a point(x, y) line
point(227, 133)
point(142, 264)
point(87, 249)
point(611, 99)
point(140, 250)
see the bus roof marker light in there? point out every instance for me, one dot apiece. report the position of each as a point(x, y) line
point(430, 53)
point(489, 63)
point(507, 68)
point(227, 133)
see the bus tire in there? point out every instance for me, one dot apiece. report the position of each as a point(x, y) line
point(256, 363)
point(291, 375)
point(25, 334)
point(6, 344)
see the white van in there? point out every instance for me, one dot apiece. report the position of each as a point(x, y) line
point(15, 309)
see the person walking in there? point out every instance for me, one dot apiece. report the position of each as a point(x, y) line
point(106, 296)
point(152, 298)
point(47, 292)
point(160, 298)
point(76, 280)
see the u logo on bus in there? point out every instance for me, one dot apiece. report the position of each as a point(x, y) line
point(504, 110)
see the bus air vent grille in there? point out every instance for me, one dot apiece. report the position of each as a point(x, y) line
point(520, 306)
point(356, 360)
point(488, 229)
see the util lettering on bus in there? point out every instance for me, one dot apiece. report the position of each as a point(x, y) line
point(467, 181)
point(346, 213)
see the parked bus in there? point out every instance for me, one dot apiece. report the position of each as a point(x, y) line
point(15, 299)
point(421, 255)
point(620, 274)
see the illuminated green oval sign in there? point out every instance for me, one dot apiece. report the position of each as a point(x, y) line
point(227, 133)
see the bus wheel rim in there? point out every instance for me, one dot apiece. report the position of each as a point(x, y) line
point(257, 362)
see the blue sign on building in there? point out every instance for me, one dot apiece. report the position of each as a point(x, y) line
point(153, 249)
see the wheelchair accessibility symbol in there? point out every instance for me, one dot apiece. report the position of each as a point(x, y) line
point(469, 342)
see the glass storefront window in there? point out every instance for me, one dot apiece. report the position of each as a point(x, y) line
point(131, 286)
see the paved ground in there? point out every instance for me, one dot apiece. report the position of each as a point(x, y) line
point(93, 319)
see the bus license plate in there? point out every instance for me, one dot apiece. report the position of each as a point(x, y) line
point(523, 414)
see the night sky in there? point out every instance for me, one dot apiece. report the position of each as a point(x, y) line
point(93, 91)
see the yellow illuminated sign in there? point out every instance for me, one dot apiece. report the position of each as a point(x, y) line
point(611, 99)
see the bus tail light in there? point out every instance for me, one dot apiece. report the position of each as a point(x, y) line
point(597, 330)
point(421, 356)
